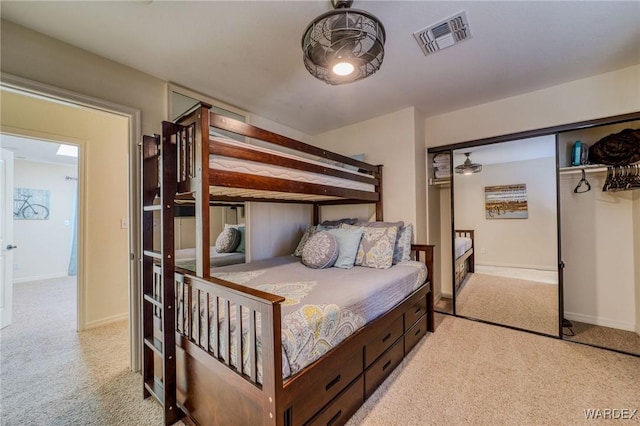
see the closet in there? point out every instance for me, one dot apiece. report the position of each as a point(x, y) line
point(600, 243)
point(596, 215)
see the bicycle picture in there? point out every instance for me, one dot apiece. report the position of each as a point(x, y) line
point(27, 210)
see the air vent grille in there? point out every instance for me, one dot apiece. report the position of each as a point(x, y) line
point(443, 34)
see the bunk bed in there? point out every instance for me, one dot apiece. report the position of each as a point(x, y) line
point(195, 324)
point(464, 255)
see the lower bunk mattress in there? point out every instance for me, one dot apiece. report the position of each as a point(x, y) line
point(322, 307)
point(186, 258)
point(462, 245)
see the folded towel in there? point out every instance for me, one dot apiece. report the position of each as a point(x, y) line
point(441, 158)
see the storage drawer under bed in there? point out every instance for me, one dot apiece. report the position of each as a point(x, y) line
point(380, 369)
point(342, 408)
point(412, 314)
point(414, 334)
point(383, 341)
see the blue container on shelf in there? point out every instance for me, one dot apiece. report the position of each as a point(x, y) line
point(579, 154)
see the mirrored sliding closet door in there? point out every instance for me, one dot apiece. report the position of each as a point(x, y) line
point(505, 242)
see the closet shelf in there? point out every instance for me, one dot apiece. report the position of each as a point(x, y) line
point(588, 168)
point(442, 181)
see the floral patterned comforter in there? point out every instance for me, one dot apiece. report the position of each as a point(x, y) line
point(322, 307)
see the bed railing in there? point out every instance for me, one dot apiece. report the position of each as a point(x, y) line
point(236, 326)
point(187, 135)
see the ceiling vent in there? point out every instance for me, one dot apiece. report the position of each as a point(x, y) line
point(444, 34)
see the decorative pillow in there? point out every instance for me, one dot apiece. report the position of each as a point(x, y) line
point(348, 243)
point(320, 251)
point(336, 223)
point(402, 250)
point(241, 228)
point(228, 240)
point(376, 246)
point(305, 237)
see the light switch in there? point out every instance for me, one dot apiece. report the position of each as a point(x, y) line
point(124, 223)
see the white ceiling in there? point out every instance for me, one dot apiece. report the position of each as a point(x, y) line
point(35, 150)
point(248, 54)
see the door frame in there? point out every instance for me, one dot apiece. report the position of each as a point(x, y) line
point(34, 88)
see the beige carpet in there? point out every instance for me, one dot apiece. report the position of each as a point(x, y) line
point(52, 375)
point(607, 337)
point(465, 373)
point(469, 373)
point(519, 303)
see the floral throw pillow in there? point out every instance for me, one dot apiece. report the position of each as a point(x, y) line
point(376, 247)
point(320, 251)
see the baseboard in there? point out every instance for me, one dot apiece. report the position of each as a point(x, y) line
point(40, 278)
point(519, 266)
point(604, 322)
point(105, 321)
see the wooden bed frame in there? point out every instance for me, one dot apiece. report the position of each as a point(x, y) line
point(189, 374)
point(465, 264)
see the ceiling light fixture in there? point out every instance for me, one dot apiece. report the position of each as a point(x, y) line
point(343, 45)
point(468, 167)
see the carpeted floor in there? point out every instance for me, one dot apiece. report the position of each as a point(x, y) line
point(464, 373)
point(526, 304)
point(52, 375)
point(469, 373)
point(607, 337)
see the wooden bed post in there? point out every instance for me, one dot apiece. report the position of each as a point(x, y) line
point(201, 192)
point(379, 207)
point(316, 213)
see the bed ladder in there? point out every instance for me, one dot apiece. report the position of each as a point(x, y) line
point(158, 298)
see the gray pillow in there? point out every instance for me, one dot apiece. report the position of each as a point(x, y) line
point(320, 251)
point(336, 223)
point(228, 240)
point(402, 249)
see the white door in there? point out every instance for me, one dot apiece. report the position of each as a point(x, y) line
point(6, 237)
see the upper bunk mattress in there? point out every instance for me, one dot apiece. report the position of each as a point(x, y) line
point(322, 306)
point(231, 164)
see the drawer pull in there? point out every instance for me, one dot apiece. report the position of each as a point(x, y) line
point(385, 338)
point(334, 418)
point(417, 332)
point(418, 309)
point(386, 365)
point(332, 383)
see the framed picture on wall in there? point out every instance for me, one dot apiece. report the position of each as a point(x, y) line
point(31, 204)
point(506, 201)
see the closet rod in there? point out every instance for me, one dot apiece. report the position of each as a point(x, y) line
point(595, 168)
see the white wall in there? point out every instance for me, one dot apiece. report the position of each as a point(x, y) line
point(521, 243)
point(28, 54)
point(598, 251)
point(44, 246)
point(389, 140)
point(604, 95)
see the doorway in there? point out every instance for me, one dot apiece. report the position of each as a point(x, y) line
point(108, 284)
point(44, 220)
